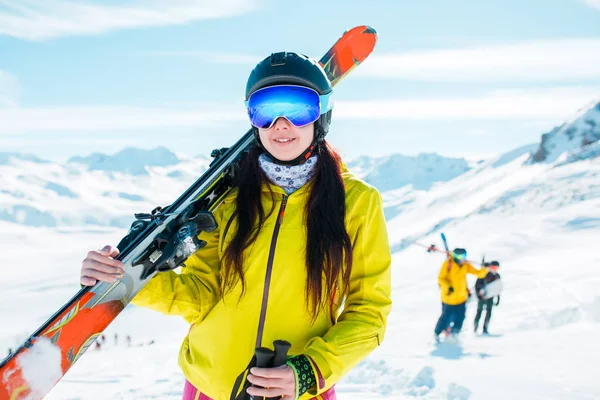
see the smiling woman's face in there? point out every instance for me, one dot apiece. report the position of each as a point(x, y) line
point(284, 141)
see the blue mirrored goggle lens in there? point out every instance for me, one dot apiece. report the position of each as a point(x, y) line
point(299, 105)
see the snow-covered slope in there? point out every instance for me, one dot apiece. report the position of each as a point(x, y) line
point(582, 130)
point(542, 222)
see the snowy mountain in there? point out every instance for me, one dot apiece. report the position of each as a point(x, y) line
point(7, 158)
point(396, 171)
point(106, 190)
point(97, 190)
point(581, 131)
point(505, 189)
point(511, 184)
point(129, 160)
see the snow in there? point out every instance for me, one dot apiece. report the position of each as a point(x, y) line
point(540, 220)
point(40, 366)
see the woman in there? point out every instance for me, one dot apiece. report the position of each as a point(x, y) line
point(298, 238)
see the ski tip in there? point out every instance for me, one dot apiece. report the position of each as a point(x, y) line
point(350, 50)
point(361, 29)
point(368, 34)
point(368, 29)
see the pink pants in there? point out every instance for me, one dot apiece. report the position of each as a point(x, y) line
point(191, 393)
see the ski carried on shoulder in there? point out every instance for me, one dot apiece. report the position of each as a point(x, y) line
point(157, 241)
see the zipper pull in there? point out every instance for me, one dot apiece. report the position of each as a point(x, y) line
point(282, 208)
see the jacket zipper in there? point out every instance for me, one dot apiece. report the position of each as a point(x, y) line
point(265, 298)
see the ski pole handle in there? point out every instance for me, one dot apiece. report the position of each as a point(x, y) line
point(267, 358)
point(281, 350)
point(280, 357)
point(264, 359)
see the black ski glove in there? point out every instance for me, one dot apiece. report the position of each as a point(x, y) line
point(450, 290)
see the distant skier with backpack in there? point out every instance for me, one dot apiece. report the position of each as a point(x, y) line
point(492, 276)
point(452, 280)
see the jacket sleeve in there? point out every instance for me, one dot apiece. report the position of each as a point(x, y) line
point(443, 278)
point(480, 273)
point(194, 291)
point(361, 326)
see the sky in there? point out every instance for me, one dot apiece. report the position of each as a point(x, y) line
point(460, 78)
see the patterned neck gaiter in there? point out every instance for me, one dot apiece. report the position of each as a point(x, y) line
point(289, 178)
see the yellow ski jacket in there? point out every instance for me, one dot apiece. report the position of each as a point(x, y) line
point(224, 329)
point(455, 277)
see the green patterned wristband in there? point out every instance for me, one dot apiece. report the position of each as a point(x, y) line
point(305, 376)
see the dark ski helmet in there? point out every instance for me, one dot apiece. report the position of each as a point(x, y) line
point(494, 264)
point(459, 254)
point(289, 68)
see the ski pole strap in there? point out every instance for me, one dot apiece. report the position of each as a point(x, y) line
point(241, 383)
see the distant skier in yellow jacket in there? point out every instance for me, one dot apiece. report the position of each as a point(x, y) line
point(454, 292)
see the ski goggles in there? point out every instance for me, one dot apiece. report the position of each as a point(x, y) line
point(459, 256)
point(298, 104)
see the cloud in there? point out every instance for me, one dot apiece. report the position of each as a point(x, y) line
point(9, 89)
point(593, 3)
point(554, 104)
point(528, 61)
point(20, 120)
point(551, 104)
point(218, 58)
point(44, 19)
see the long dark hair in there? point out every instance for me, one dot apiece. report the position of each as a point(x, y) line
point(328, 246)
